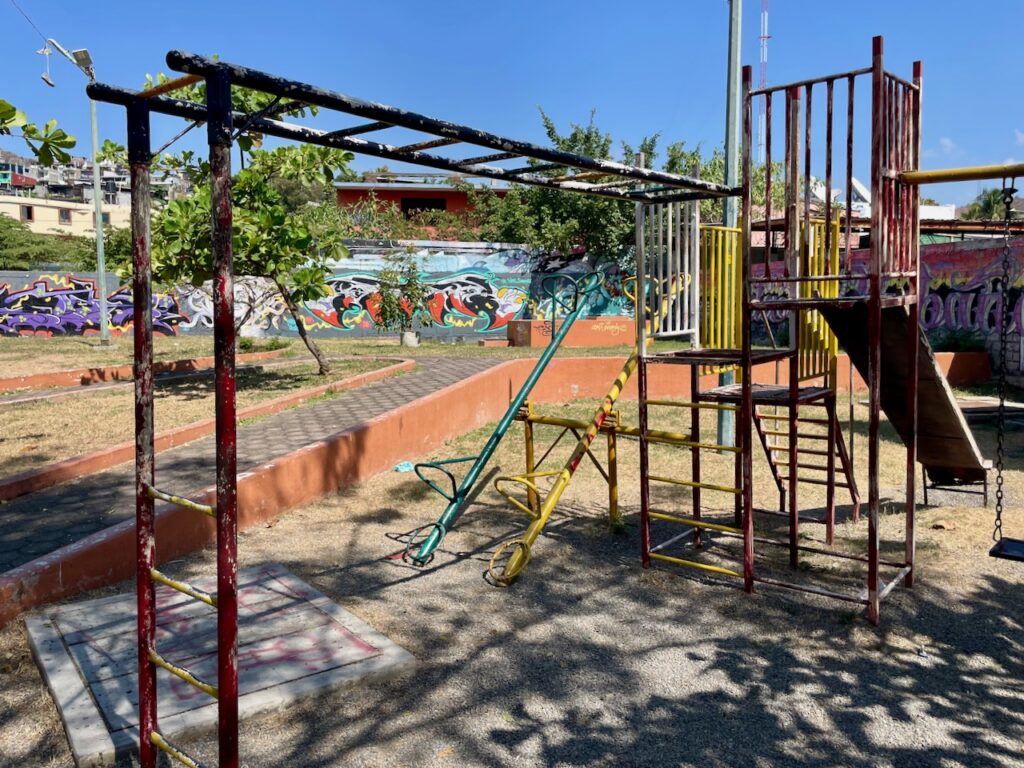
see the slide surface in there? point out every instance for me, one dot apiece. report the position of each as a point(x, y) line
point(945, 444)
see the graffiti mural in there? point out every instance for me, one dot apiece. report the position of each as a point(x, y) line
point(68, 305)
point(470, 299)
point(960, 301)
point(479, 289)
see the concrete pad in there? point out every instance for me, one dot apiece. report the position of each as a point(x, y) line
point(293, 641)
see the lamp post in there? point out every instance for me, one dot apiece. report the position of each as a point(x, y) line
point(81, 59)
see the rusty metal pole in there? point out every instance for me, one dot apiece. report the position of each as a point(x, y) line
point(218, 97)
point(746, 415)
point(139, 158)
point(794, 269)
point(915, 267)
point(878, 246)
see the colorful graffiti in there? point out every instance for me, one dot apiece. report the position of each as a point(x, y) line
point(960, 300)
point(67, 305)
point(961, 297)
point(470, 299)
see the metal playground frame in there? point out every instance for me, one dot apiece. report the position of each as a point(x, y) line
point(576, 173)
point(896, 107)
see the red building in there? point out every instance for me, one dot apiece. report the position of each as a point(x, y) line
point(408, 191)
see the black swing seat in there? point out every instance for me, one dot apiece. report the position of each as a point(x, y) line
point(1008, 549)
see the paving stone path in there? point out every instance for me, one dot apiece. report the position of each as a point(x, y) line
point(39, 523)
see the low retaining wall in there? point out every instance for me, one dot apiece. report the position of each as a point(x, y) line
point(85, 376)
point(342, 460)
point(78, 466)
point(587, 332)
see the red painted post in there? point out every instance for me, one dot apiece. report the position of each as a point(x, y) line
point(878, 247)
point(915, 266)
point(695, 452)
point(218, 95)
point(768, 184)
point(828, 177)
point(139, 158)
point(746, 415)
point(796, 261)
point(849, 201)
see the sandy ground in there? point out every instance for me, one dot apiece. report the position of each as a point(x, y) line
point(588, 660)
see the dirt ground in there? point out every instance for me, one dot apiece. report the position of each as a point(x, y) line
point(41, 432)
point(589, 660)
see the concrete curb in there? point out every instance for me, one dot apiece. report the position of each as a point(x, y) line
point(86, 464)
point(339, 461)
point(86, 376)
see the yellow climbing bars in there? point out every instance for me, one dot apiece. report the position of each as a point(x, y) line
point(817, 346)
point(521, 547)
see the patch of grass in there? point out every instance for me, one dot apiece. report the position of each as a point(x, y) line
point(41, 432)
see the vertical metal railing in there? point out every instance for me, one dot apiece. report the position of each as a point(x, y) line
point(668, 238)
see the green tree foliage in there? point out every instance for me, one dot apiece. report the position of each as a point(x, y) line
point(49, 144)
point(402, 296)
point(552, 220)
point(987, 206)
point(268, 239)
point(21, 248)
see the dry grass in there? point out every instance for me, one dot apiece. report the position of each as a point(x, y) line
point(26, 355)
point(589, 660)
point(44, 431)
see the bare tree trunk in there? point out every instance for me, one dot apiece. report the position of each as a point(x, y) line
point(314, 350)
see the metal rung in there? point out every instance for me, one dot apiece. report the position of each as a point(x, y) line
point(695, 523)
point(206, 509)
point(669, 542)
point(184, 588)
point(692, 484)
point(822, 422)
point(163, 744)
point(813, 481)
point(432, 144)
point(702, 405)
point(357, 129)
point(497, 157)
point(182, 673)
point(169, 86)
point(812, 466)
point(807, 435)
point(692, 564)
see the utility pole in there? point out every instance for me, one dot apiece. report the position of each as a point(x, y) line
point(81, 59)
point(732, 133)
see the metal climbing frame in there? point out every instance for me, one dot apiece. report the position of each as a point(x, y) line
point(538, 166)
point(573, 308)
point(813, 279)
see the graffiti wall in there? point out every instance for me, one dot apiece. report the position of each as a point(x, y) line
point(961, 302)
point(477, 289)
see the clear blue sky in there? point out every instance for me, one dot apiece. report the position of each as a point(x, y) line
point(644, 66)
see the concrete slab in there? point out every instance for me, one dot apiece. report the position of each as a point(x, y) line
point(293, 641)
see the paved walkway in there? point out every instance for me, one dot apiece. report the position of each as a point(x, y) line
point(34, 525)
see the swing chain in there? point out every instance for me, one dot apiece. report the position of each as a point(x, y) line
point(1004, 328)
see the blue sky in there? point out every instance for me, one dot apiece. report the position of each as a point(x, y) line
point(644, 66)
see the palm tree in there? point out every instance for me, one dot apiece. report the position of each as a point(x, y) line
point(988, 205)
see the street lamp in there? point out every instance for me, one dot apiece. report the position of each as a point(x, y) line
point(81, 59)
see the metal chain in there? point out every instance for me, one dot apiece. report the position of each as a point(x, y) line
point(1004, 329)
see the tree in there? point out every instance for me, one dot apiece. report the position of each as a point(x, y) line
point(21, 248)
point(401, 295)
point(268, 241)
point(48, 144)
point(269, 236)
point(988, 205)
